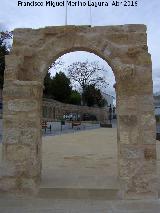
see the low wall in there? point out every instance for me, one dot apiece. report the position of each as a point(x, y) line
point(54, 110)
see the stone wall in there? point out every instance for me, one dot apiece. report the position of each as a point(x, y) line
point(54, 110)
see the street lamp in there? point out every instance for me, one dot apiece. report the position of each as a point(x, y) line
point(110, 114)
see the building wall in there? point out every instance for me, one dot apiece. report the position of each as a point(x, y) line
point(109, 99)
point(157, 104)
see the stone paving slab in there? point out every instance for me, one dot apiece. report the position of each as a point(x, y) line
point(13, 204)
point(85, 159)
point(77, 193)
point(34, 205)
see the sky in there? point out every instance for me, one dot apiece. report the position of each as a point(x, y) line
point(70, 58)
point(147, 12)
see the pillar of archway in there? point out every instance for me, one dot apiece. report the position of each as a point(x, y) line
point(125, 50)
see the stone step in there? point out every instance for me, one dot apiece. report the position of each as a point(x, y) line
point(78, 193)
point(84, 179)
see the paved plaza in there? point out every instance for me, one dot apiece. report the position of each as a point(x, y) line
point(83, 160)
point(78, 161)
point(37, 205)
point(58, 129)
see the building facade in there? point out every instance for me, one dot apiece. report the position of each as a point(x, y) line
point(110, 99)
point(157, 104)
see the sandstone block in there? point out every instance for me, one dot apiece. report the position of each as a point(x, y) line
point(15, 135)
point(131, 152)
point(29, 185)
point(134, 167)
point(148, 136)
point(127, 121)
point(17, 152)
point(7, 184)
point(7, 169)
point(22, 105)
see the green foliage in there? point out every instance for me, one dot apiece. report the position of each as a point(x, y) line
point(47, 92)
point(92, 96)
point(157, 118)
point(3, 52)
point(75, 98)
point(61, 88)
point(58, 87)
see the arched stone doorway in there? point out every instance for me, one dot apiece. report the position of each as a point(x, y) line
point(125, 49)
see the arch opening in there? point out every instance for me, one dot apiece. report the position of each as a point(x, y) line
point(70, 113)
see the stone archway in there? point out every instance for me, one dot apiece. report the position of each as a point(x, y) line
point(125, 50)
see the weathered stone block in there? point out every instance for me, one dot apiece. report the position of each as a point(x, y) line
point(16, 92)
point(23, 89)
point(145, 103)
point(13, 62)
point(29, 135)
point(29, 185)
point(11, 135)
point(8, 184)
point(148, 136)
point(17, 152)
point(22, 105)
point(135, 27)
point(15, 135)
point(21, 122)
point(130, 107)
point(7, 169)
point(131, 152)
point(144, 59)
point(150, 152)
point(134, 167)
point(147, 121)
point(143, 184)
point(126, 121)
point(10, 74)
point(28, 169)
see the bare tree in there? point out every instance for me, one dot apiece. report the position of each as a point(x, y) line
point(87, 73)
point(57, 64)
point(6, 35)
point(6, 39)
point(4, 50)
